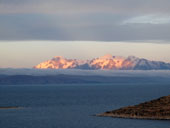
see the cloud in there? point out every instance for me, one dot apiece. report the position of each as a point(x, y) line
point(148, 19)
point(44, 72)
point(88, 6)
point(99, 20)
point(86, 27)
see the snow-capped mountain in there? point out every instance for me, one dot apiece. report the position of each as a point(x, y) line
point(58, 62)
point(105, 62)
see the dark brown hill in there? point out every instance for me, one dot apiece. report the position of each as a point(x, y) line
point(154, 109)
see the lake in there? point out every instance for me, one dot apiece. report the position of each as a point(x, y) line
point(73, 105)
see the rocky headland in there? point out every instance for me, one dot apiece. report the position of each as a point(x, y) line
point(158, 109)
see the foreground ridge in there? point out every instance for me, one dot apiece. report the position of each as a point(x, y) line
point(108, 62)
point(155, 109)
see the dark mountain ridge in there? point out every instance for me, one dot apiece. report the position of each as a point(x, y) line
point(64, 79)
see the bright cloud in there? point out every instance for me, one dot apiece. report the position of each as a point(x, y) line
point(149, 19)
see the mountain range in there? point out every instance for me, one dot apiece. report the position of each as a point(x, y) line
point(107, 62)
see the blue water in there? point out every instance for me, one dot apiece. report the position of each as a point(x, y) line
point(72, 106)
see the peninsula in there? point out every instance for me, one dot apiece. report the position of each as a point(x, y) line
point(158, 109)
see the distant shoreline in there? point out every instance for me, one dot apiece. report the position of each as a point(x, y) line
point(69, 79)
point(10, 107)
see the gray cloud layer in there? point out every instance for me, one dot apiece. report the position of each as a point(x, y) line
point(86, 6)
point(109, 20)
point(44, 72)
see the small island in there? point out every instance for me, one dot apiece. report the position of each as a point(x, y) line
point(9, 107)
point(158, 109)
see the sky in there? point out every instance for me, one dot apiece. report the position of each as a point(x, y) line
point(32, 31)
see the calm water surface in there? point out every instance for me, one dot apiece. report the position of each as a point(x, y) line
point(72, 106)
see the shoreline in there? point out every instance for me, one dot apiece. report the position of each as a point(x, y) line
point(132, 117)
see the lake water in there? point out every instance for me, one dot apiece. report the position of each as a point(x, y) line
point(72, 106)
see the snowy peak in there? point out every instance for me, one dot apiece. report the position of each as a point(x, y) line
point(107, 56)
point(57, 62)
point(108, 62)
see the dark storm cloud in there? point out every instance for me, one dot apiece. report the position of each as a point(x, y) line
point(103, 20)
